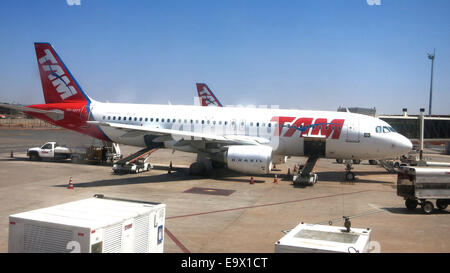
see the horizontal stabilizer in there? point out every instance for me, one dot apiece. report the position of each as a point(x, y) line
point(53, 114)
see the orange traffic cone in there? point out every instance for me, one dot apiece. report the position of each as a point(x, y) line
point(274, 166)
point(252, 181)
point(275, 180)
point(70, 187)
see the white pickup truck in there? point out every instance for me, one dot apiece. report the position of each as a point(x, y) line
point(51, 150)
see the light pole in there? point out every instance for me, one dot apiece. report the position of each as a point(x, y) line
point(431, 57)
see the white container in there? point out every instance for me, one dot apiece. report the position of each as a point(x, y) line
point(309, 238)
point(98, 224)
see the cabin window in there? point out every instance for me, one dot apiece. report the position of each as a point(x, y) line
point(386, 129)
point(146, 119)
point(157, 119)
point(109, 117)
point(104, 117)
point(140, 119)
point(378, 129)
point(114, 118)
point(162, 120)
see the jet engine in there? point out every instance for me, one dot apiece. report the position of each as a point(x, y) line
point(251, 159)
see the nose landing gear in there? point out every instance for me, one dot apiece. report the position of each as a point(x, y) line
point(349, 175)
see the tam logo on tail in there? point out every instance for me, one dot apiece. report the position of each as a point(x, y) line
point(58, 83)
point(56, 75)
point(206, 96)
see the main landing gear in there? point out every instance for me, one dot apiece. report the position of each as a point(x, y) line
point(203, 166)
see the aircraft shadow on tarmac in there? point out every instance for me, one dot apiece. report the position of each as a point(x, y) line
point(177, 175)
point(223, 174)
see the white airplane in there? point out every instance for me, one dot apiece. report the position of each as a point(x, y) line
point(246, 140)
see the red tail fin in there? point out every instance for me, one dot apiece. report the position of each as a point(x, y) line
point(207, 96)
point(58, 83)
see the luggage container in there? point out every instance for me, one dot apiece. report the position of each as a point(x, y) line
point(419, 185)
point(94, 225)
point(310, 238)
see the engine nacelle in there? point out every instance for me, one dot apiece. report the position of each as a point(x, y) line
point(249, 159)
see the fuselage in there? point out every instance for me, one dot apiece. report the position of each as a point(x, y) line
point(345, 135)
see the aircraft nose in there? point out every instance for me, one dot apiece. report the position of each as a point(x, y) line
point(402, 145)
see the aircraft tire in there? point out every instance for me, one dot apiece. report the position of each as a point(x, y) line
point(350, 176)
point(197, 168)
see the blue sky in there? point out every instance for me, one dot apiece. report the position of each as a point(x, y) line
point(317, 54)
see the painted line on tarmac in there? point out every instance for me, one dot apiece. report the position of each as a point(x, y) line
point(266, 205)
point(176, 241)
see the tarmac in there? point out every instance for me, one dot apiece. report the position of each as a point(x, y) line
point(223, 212)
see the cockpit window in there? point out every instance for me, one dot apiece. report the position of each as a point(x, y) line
point(384, 129)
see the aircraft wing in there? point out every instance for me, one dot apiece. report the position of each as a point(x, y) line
point(182, 137)
point(53, 114)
